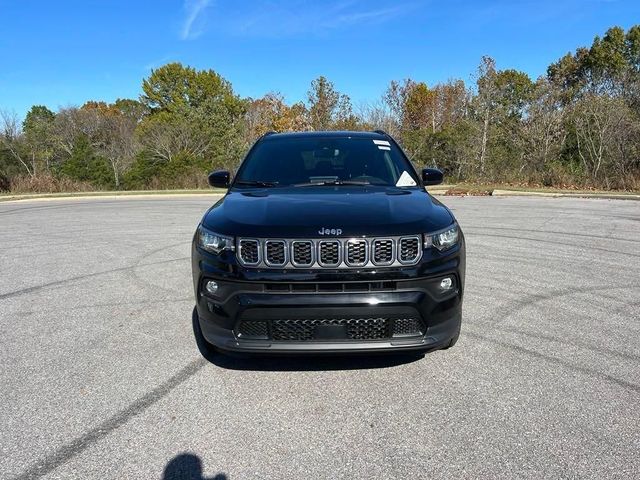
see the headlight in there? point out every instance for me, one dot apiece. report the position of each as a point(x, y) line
point(214, 242)
point(442, 240)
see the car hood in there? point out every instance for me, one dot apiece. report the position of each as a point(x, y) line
point(305, 212)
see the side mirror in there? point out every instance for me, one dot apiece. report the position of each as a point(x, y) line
point(431, 176)
point(219, 179)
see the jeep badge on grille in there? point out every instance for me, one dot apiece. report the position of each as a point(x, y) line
point(330, 231)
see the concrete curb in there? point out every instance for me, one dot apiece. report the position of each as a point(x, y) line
point(440, 190)
point(520, 193)
point(110, 195)
point(142, 195)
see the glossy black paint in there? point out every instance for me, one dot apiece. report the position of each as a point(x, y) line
point(244, 289)
point(432, 176)
point(293, 212)
point(219, 179)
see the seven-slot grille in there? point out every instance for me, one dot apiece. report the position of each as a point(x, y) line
point(330, 253)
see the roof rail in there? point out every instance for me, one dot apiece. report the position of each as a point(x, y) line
point(381, 132)
point(270, 132)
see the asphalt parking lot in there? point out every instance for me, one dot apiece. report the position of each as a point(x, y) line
point(101, 376)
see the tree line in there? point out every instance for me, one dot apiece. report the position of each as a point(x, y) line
point(578, 125)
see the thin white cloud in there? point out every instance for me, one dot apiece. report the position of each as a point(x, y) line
point(370, 16)
point(193, 25)
point(152, 65)
point(305, 17)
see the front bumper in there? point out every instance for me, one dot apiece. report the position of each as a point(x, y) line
point(315, 312)
point(290, 321)
point(437, 336)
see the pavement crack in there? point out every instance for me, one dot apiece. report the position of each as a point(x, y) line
point(550, 242)
point(66, 452)
point(56, 283)
point(622, 383)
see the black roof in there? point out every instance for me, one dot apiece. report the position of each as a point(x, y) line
point(326, 134)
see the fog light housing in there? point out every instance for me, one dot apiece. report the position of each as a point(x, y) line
point(211, 287)
point(446, 284)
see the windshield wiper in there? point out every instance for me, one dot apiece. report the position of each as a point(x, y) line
point(332, 182)
point(256, 183)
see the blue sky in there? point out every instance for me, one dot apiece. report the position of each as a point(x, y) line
point(61, 53)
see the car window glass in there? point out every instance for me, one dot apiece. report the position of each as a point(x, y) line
point(302, 160)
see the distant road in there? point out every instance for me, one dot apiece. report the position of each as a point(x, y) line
point(101, 378)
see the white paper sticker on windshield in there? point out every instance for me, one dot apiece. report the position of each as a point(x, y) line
point(382, 147)
point(382, 142)
point(405, 180)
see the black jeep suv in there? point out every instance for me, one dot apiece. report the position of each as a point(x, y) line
point(328, 242)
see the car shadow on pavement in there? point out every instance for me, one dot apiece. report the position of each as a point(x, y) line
point(296, 363)
point(187, 466)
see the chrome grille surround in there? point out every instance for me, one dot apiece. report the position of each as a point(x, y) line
point(383, 251)
point(408, 249)
point(356, 252)
point(249, 252)
point(302, 250)
point(275, 253)
point(335, 253)
point(329, 253)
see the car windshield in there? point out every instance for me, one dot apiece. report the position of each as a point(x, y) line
point(310, 161)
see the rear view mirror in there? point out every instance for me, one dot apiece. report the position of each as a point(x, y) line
point(219, 179)
point(431, 176)
point(326, 153)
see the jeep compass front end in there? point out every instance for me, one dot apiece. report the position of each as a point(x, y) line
point(328, 242)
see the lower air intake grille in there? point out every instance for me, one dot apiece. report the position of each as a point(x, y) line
point(405, 327)
point(356, 328)
point(253, 329)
